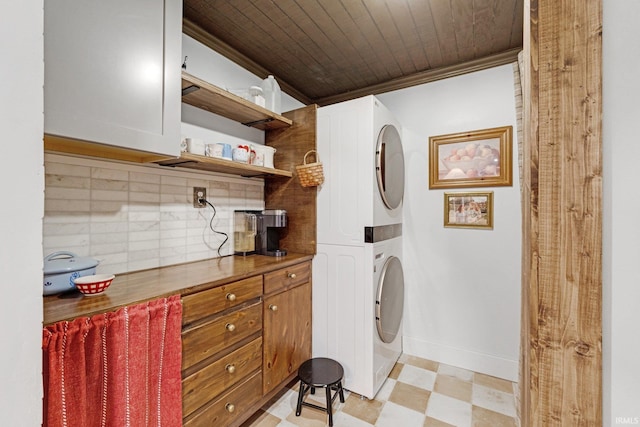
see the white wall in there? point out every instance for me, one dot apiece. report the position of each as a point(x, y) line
point(621, 234)
point(463, 285)
point(214, 68)
point(21, 187)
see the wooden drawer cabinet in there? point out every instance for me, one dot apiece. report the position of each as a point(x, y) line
point(221, 350)
point(202, 304)
point(230, 406)
point(287, 277)
point(212, 380)
point(207, 339)
point(241, 342)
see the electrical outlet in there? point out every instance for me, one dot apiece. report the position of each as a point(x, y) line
point(199, 193)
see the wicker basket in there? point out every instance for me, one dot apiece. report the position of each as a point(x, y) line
point(310, 174)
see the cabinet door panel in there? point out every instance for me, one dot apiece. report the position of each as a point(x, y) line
point(112, 72)
point(286, 334)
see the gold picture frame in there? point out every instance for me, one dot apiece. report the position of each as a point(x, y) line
point(480, 158)
point(468, 210)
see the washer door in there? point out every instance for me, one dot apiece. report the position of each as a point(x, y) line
point(390, 300)
point(390, 166)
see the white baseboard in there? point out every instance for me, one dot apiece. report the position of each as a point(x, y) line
point(461, 358)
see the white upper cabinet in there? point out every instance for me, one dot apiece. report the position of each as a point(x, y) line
point(112, 72)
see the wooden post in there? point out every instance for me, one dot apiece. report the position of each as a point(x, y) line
point(561, 376)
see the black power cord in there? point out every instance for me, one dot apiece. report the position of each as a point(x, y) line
point(226, 236)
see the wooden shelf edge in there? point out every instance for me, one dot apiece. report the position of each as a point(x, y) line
point(219, 101)
point(55, 144)
point(213, 164)
point(64, 145)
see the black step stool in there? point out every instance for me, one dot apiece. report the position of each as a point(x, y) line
point(316, 373)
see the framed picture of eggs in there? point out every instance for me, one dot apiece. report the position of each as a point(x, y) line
point(468, 210)
point(480, 158)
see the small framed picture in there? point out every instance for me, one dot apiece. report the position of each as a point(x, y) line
point(468, 210)
point(480, 158)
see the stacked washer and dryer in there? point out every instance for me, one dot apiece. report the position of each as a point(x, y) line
point(358, 282)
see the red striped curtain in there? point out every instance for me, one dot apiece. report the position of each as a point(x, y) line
point(115, 369)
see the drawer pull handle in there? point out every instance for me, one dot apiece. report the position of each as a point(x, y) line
point(230, 407)
point(231, 297)
point(273, 307)
point(230, 327)
point(230, 368)
point(291, 275)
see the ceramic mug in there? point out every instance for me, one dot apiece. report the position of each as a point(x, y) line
point(226, 151)
point(195, 146)
point(215, 150)
point(241, 154)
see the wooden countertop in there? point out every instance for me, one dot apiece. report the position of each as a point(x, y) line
point(147, 285)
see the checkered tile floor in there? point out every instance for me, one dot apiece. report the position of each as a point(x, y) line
point(418, 393)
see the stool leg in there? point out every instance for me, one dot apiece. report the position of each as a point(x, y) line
point(329, 409)
point(341, 392)
point(300, 398)
point(313, 390)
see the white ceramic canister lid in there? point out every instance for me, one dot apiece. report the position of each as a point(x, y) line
point(64, 262)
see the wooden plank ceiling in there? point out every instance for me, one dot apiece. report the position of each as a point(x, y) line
point(326, 51)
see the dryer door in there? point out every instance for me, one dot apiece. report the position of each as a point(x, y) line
point(390, 300)
point(390, 166)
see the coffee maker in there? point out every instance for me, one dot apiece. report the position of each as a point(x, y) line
point(259, 232)
point(245, 229)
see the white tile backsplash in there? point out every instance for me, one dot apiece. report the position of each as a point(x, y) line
point(57, 207)
point(134, 217)
point(141, 236)
point(144, 187)
point(106, 172)
point(108, 184)
point(107, 238)
point(66, 229)
point(110, 195)
point(68, 170)
point(145, 216)
point(67, 181)
point(178, 181)
point(65, 242)
point(67, 193)
point(148, 178)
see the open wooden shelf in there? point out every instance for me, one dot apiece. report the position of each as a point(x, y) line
point(211, 98)
point(202, 95)
point(58, 144)
point(214, 164)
